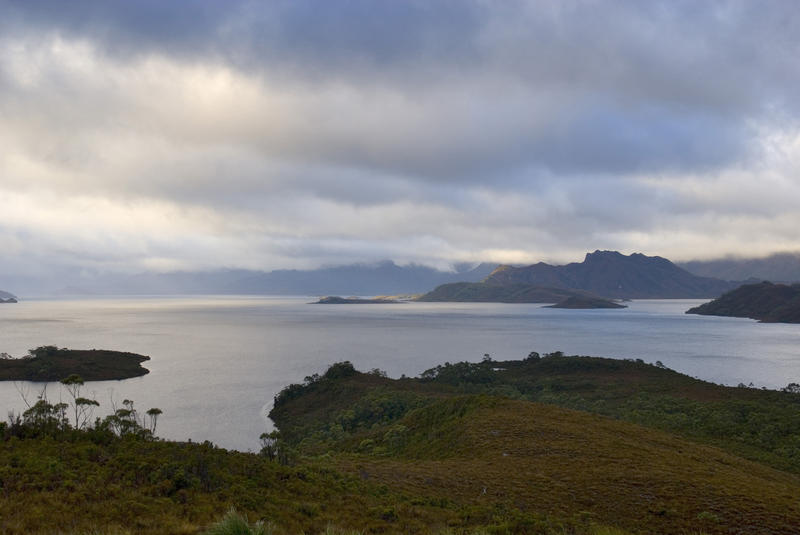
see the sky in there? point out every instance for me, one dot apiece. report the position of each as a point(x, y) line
point(198, 135)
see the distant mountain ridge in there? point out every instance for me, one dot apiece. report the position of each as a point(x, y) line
point(613, 275)
point(765, 301)
point(357, 279)
point(778, 267)
point(354, 279)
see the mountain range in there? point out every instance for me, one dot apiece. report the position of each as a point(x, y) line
point(779, 267)
point(355, 279)
point(609, 274)
point(603, 273)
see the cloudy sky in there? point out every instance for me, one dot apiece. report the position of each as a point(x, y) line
point(155, 135)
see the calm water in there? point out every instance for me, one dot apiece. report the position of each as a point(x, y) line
point(217, 362)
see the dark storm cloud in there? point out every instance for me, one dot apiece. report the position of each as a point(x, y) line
point(632, 86)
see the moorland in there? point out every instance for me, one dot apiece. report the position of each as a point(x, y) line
point(550, 444)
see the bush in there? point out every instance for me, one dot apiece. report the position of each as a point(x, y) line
point(236, 524)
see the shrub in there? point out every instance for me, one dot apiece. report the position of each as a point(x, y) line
point(236, 524)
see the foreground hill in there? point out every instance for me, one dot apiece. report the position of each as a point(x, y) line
point(783, 267)
point(489, 435)
point(613, 275)
point(767, 302)
point(549, 445)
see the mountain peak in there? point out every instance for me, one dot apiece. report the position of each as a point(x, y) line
point(598, 255)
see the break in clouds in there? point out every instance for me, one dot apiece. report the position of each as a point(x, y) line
point(196, 135)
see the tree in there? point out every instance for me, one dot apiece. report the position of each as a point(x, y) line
point(269, 445)
point(793, 388)
point(153, 413)
point(82, 406)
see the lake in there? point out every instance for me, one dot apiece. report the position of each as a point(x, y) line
point(217, 361)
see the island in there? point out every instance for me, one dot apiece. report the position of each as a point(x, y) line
point(50, 363)
point(586, 302)
point(764, 301)
point(337, 300)
point(6, 297)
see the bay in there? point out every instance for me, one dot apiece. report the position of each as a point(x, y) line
point(217, 361)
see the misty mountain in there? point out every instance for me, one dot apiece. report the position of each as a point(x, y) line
point(355, 279)
point(614, 275)
point(358, 279)
point(782, 267)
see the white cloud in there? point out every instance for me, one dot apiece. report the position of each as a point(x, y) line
point(514, 132)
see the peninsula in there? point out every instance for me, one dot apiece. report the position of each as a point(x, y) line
point(50, 363)
point(765, 302)
point(586, 302)
point(336, 300)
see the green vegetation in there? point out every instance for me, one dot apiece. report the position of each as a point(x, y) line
point(761, 425)
point(767, 302)
point(51, 363)
point(494, 447)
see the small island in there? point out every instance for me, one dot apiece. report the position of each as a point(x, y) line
point(6, 297)
point(50, 363)
point(585, 302)
point(765, 302)
point(337, 300)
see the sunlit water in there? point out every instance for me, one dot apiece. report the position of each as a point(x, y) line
point(217, 362)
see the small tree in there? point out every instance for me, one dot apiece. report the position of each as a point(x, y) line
point(269, 445)
point(82, 406)
point(153, 413)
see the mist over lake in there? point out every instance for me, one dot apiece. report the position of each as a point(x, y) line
point(216, 362)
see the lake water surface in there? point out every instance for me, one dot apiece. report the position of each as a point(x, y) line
point(217, 362)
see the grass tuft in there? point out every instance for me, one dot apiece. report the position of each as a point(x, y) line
point(234, 523)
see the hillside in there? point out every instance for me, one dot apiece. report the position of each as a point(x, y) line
point(782, 267)
point(613, 275)
point(765, 301)
point(504, 433)
point(467, 448)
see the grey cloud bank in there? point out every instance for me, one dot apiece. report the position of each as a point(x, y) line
point(200, 135)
